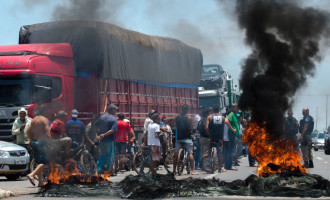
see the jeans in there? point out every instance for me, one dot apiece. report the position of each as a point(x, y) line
point(107, 156)
point(197, 153)
point(231, 148)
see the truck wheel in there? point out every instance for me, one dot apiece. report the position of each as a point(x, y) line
point(13, 177)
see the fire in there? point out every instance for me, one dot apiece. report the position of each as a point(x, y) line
point(274, 156)
point(60, 175)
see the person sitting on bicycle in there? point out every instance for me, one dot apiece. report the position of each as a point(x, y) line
point(153, 141)
point(57, 132)
point(215, 128)
point(183, 137)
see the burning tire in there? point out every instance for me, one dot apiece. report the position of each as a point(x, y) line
point(88, 164)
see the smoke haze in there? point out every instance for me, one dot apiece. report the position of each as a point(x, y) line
point(285, 42)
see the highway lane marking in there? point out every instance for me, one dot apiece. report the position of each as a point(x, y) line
point(325, 162)
point(319, 158)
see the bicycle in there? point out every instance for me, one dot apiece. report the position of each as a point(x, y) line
point(210, 160)
point(80, 153)
point(183, 160)
point(142, 159)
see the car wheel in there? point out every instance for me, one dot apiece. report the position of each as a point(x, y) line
point(316, 149)
point(327, 151)
point(13, 177)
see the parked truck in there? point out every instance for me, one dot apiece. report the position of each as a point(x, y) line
point(88, 65)
point(217, 87)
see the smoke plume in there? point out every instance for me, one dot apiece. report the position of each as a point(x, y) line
point(94, 10)
point(285, 43)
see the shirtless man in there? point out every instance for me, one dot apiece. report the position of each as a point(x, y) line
point(39, 139)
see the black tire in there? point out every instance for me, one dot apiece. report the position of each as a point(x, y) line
point(214, 161)
point(210, 162)
point(316, 149)
point(327, 151)
point(13, 177)
point(88, 164)
point(138, 161)
point(180, 162)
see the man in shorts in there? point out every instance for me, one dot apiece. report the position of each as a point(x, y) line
point(183, 137)
point(39, 136)
point(121, 137)
point(57, 132)
point(154, 142)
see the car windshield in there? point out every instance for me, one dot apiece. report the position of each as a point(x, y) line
point(321, 135)
point(211, 69)
point(15, 91)
point(314, 135)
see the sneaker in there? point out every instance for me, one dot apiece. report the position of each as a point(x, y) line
point(253, 165)
point(233, 168)
point(222, 170)
point(236, 164)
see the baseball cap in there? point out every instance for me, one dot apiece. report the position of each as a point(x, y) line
point(22, 110)
point(74, 113)
point(113, 107)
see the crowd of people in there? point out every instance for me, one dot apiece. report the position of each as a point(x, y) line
point(109, 138)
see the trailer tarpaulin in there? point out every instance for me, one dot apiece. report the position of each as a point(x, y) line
point(117, 53)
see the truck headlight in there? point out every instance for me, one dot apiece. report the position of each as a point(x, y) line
point(2, 153)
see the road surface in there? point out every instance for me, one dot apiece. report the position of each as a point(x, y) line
point(25, 191)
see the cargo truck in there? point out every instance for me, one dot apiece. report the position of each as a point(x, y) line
point(88, 65)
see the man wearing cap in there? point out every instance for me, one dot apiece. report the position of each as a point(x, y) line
point(75, 129)
point(20, 127)
point(107, 127)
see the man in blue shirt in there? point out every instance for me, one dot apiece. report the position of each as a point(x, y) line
point(306, 127)
point(107, 127)
point(75, 129)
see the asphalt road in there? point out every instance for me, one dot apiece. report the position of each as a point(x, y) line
point(24, 190)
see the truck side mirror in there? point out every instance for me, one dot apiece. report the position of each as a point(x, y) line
point(42, 92)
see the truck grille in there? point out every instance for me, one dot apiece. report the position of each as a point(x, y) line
point(17, 167)
point(17, 153)
point(5, 129)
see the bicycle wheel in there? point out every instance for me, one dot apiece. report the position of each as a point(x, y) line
point(180, 161)
point(213, 160)
point(88, 164)
point(141, 162)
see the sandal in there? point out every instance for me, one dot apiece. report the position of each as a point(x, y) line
point(31, 181)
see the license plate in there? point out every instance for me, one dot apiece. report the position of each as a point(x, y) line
point(20, 161)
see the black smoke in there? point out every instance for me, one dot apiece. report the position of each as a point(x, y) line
point(285, 41)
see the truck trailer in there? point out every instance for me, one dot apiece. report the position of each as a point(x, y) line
point(88, 65)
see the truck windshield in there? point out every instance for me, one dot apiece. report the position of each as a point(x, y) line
point(211, 69)
point(15, 92)
point(208, 102)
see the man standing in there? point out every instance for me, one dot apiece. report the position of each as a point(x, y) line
point(153, 141)
point(146, 124)
point(107, 126)
point(75, 129)
point(39, 136)
point(121, 137)
point(57, 132)
point(197, 118)
point(183, 137)
point(232, 135)
point(307, 127)
point(204, 140)
point(20, 127)
point(92, 141)
point(291, 128)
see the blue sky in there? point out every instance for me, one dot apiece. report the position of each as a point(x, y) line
point(205, 24)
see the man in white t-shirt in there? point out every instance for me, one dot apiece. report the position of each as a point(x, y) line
point(153, 141)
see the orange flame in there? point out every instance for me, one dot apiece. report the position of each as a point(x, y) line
point(60, 175)
point(274, 156)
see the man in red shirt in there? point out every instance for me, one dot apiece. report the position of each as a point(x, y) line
point(121, 137)
point(57, 132)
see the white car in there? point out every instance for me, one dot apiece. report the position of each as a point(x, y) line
point(14, 160)
point(319, 141)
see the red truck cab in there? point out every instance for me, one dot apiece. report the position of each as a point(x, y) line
point(25, 70)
